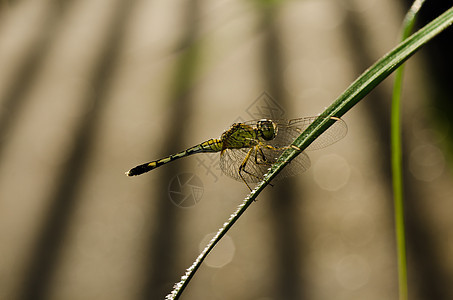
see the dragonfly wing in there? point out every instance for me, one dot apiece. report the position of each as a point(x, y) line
point(288, 131)
point(231, 160)
point(298, 165)
point(255, 168)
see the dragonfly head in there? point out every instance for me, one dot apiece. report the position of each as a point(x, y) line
point(266, 129)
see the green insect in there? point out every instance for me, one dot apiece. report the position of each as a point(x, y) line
point(249, 149)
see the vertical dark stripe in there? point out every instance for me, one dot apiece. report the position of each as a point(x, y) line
point(46, 252)
point(287, 261)
point(162, 269)
point(27, 72)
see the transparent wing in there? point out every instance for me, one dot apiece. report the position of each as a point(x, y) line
point(259, 163)
point(289, 130)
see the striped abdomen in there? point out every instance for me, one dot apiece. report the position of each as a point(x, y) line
point(212, 145)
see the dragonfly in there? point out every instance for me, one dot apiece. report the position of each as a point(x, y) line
point(249, 149)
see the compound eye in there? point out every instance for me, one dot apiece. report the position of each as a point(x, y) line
point(267, 129)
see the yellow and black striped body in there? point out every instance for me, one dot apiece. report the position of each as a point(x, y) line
point(212, 145)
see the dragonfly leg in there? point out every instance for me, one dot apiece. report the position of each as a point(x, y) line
point(276, 148)
point(283, 148)
point(244, 164)
point(242, 168)
point(264, 161)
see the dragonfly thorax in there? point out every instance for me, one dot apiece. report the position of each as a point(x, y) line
point(266, 129)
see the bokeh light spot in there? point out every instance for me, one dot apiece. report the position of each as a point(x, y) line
point(223, 252)
point(331, 172)
point(426, 162)
point(352, 272)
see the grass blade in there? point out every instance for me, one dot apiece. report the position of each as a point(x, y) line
point(397, 165)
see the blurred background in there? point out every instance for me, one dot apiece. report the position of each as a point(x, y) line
point(89, 89)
